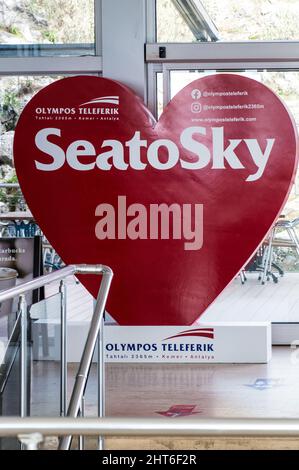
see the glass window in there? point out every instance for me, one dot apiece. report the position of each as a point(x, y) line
point(232, 20)
point(46, 27)
point(171, 26)
point(239, 20)
point(284, 83)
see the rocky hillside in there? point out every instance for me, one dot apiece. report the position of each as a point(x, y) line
point(236, 20)
point(46, 21)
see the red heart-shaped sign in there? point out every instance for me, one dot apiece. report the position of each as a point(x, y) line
point(175, 209)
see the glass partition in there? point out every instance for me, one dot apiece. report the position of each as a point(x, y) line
point(45, 340)
point(43, 356)
point(10, 379)
point(45, 316)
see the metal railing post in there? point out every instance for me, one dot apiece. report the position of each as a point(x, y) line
point(101, 380)
point(82, 414)
point(23, 360)
point(86, 360)
point(30, 441)
point(63, 350)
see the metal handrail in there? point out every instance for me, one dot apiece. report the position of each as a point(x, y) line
point(36, 283)
point(93, 334)
point(245, 427)
point(89, 348)
point(52, 277)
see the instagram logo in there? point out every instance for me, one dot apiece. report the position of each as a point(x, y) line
point(195, 107)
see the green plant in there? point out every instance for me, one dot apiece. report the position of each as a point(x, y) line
point(67, 21)
point(10, 196)
point(9, 110)
point(26, 87)
point(13, 30)
point(50, 36)
point(10, 99)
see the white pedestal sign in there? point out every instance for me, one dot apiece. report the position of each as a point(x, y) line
point(219, 342)
point(203, 343)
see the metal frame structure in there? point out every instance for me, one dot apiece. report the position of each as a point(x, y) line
point(283, 53)
point(254, 55)
point(235, 66)
point(198, 19)
point(56, 64)
point(50, 65)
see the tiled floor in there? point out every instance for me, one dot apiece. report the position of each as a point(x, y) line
point(227, 390)
point(255, 302)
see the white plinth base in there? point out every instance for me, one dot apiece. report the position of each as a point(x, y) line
point(203, 343)
point(236, 342)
